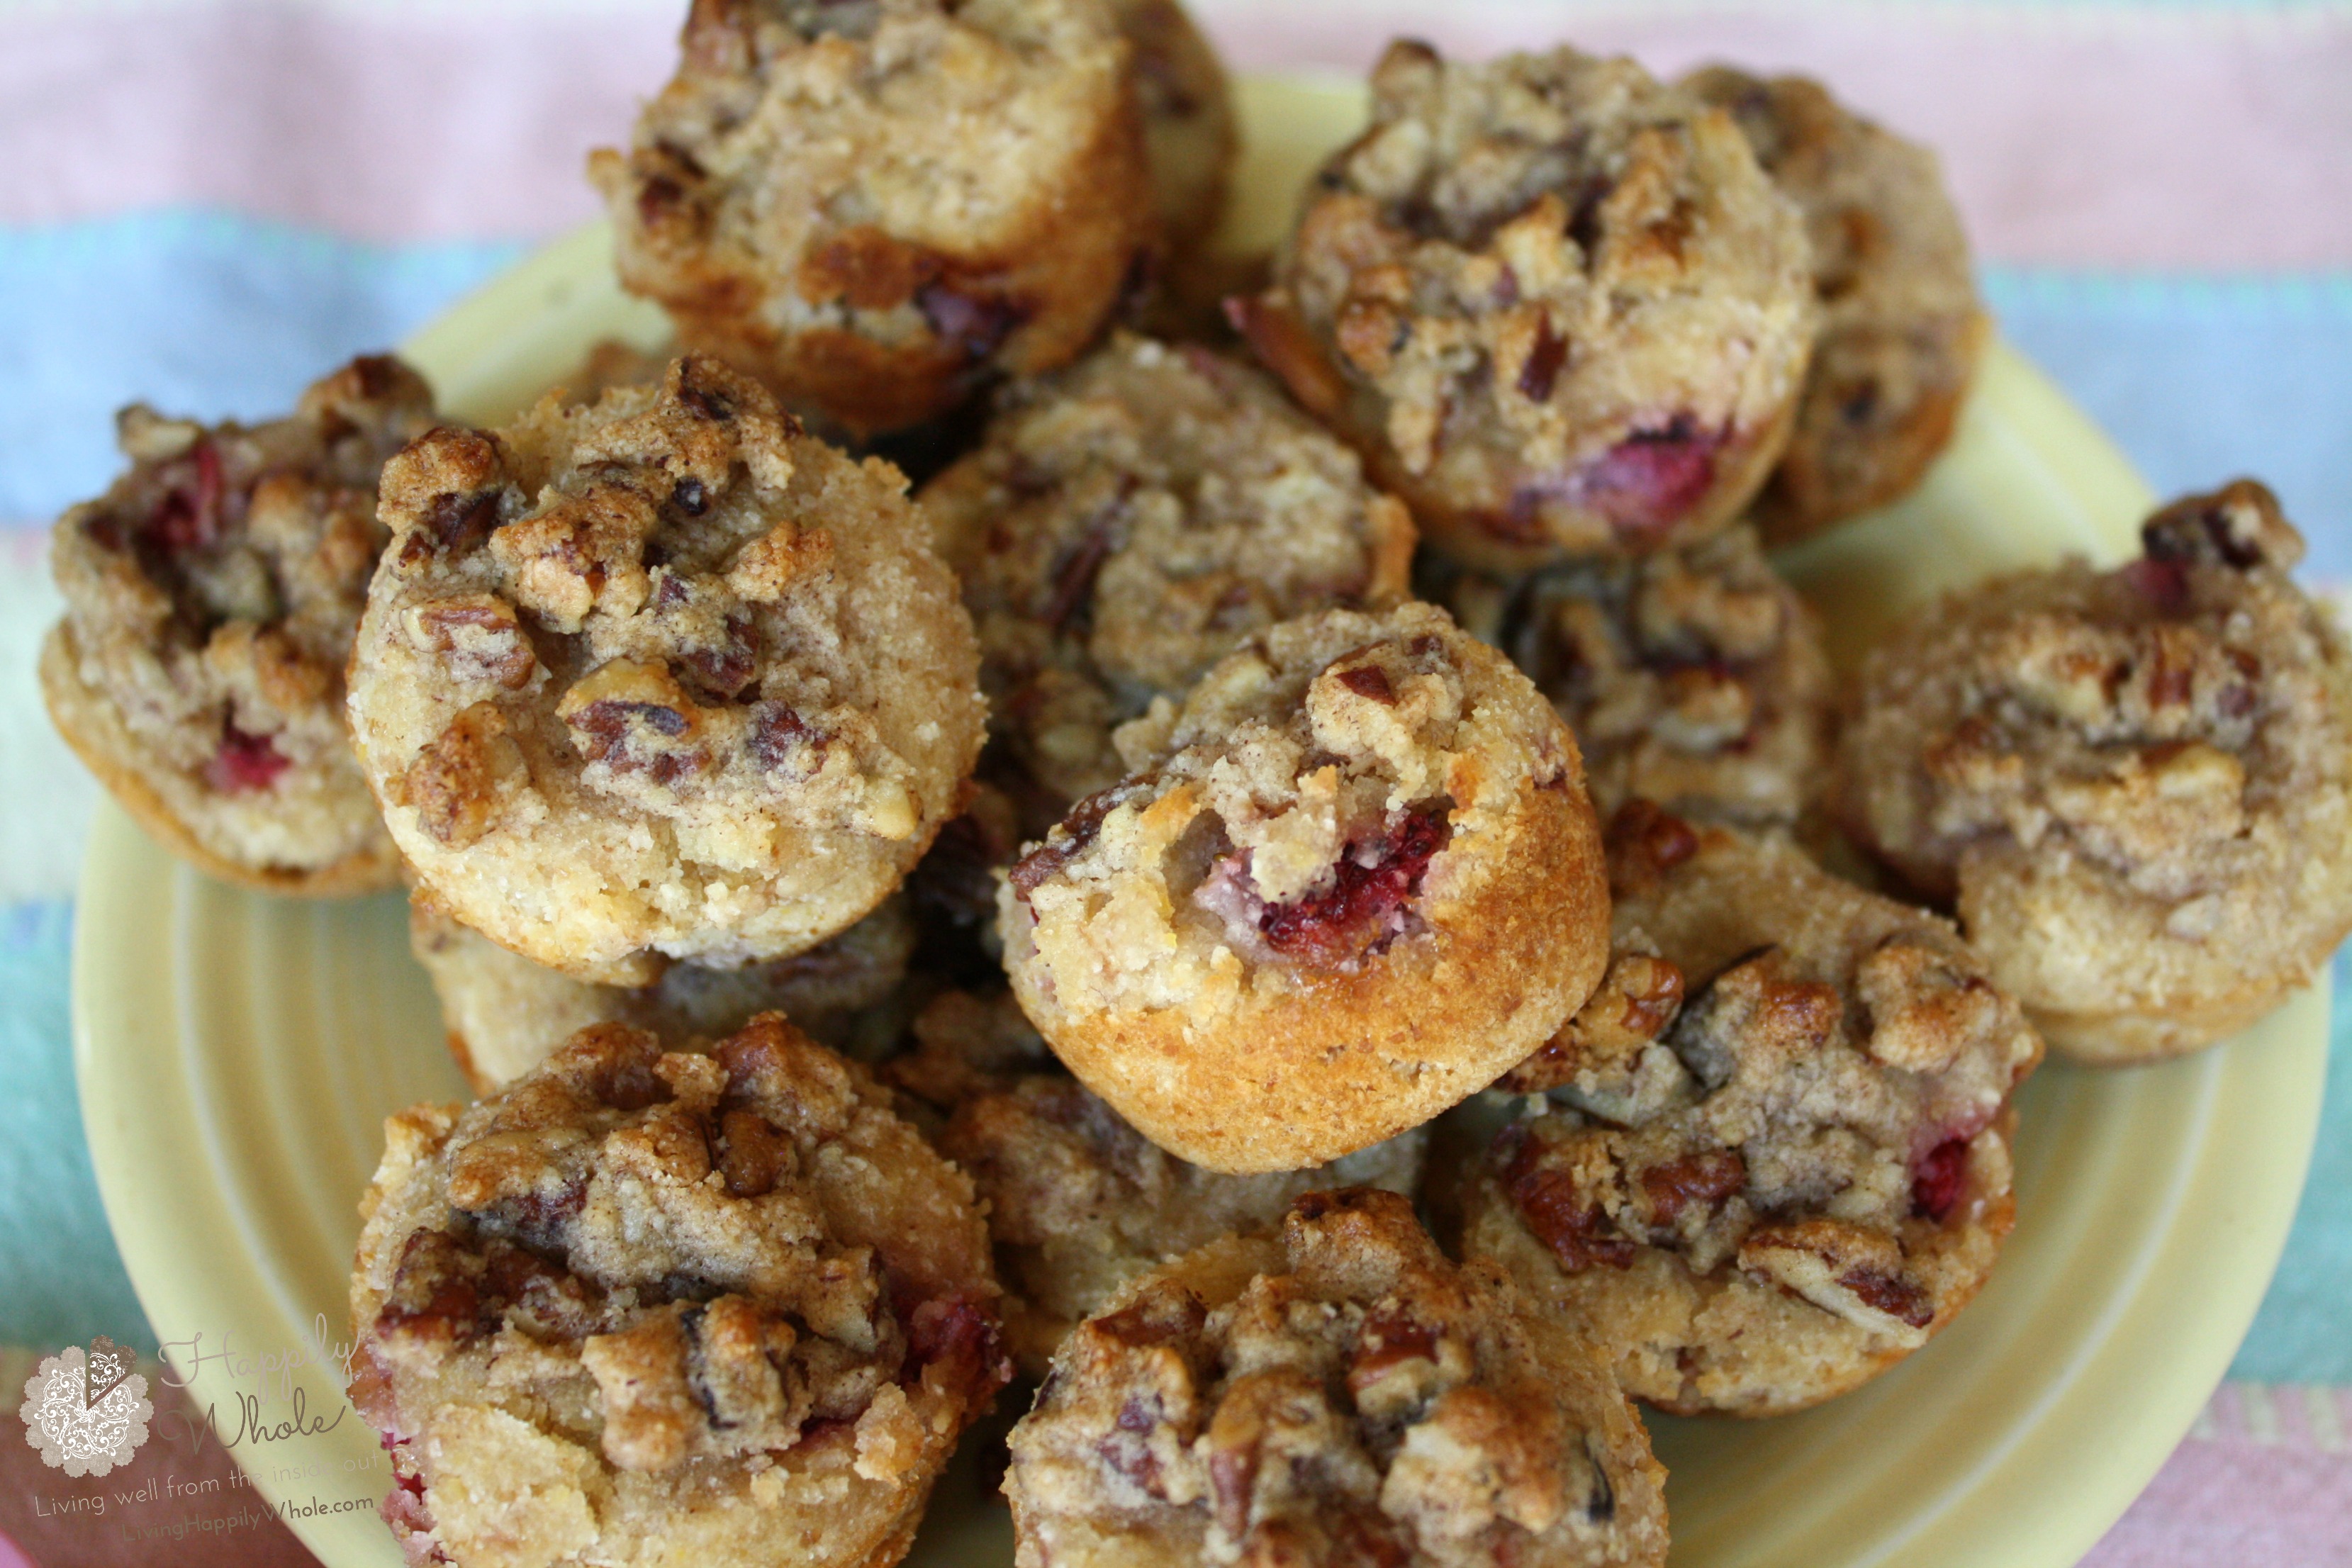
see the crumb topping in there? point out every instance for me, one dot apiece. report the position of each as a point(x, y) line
point(1694, 678)
point(1292, 813)
point(1901, 323)
point(1781, 1078)
point(674, 621)
point(1359, 1400)
point(212, 596)
point(1564, 290)
point(1129, 522)
point(651, 1261)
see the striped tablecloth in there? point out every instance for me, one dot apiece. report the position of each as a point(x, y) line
point(203, 203)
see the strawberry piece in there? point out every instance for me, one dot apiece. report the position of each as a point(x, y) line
point(1936, 1185)
point(245, 763)
point(1358, 913)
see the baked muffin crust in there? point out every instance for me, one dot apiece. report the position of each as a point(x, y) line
point(1777, 1158)
point(212, 596)
point(659, 675)
point(876, 206)
point(1902, 326)
point(1352, 879)
point(1558, 306)
point(1340, 1396)
point(2136, 783)
point(646, 1307)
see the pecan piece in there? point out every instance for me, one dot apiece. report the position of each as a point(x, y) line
point(477, 636)
point(633, 717)
point(455, 781)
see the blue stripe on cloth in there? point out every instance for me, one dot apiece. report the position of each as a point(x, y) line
point(61, 1280)
point(2303, 1332)
point(2203, 379)
point(198, 313)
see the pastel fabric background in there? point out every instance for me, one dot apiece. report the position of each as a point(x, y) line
point(203, 204)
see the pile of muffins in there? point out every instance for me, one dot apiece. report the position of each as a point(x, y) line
point(1279, 896)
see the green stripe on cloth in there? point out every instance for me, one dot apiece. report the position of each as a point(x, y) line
point(61, 1280)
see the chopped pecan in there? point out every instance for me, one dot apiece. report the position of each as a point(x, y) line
point(633, 717)
point(782, 741)
point(1068, 839)
point(478, 636)
point(455, 781)
point(1644, 841)
point(1541, 368)
point(1270, 324)
point(580, 552)
point(1705, 1179)
point(2239, 526)
point(1560, 1213)
point(753, 1153)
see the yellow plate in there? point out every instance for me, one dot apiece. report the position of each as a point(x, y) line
point(236, 1053)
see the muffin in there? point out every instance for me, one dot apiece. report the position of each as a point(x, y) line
point(211, 599)
point(1902, 326)
point(1349, 883)
point(1694, 678)
point(1775, 1155)
point(1126, 524)
point(1558, 305)
point(1340, 1395)
point(1189, 141)
point(2136, 784)
point(1079, 1202)
point(502, 1013)
point(660, 676)
point(876, 207)
point(648, 1307)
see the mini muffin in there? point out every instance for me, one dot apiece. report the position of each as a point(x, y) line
point(1694, 678)
point(503, 1014)
point(1559, 306)
point(1901, 323)
point(211, 599)
point(1349, 882)
point(876, 206)
point(649, 1308)
point(1129, 522)
point(660, 675)
point(1779, 1158)
point(2136, 783)
point(1190, 140)
point(1079, 1202)
point(1342, 1394)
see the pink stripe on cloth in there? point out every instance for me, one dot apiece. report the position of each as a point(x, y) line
point(2206, 139)
point(377, 125)
point(2214, 138)
point(2266, 1478)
